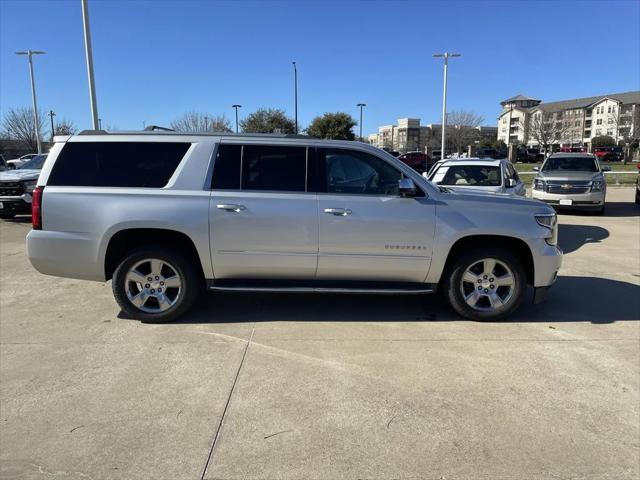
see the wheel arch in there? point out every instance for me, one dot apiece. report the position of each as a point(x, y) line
point(126, 240)
point(517, 246)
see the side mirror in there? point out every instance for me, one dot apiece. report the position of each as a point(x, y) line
point(606, 168)
point(511, 183)
point(536, 169)
point(406, 187)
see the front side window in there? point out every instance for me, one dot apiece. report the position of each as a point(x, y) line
point(274, 168)
point(355, 172)
point(117, 164)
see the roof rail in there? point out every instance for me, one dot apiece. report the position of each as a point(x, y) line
point(157, 128)
point(93, 132)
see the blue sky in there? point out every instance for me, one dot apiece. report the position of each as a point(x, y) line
point(155, 60)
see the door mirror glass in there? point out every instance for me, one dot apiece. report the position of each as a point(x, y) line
point(406, 187)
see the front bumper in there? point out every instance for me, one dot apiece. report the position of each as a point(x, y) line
point(547, 260)
point(16, 205)
point(578, 200)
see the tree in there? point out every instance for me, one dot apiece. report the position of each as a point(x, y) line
point(545, 130)
point(195, 122)
point(461, 128)
point(268, 120)
point(336, 126)
point(19, 124)
point(64, 127)
point(603, 141)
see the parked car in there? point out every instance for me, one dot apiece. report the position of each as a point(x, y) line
point(421, 162)
point(19, 162)
point(3, 164)
point(609, 154)
point(16, 187)
point(478, 174)
point(572, 149)
point(393, 152)
point(571, 180)
point(487, 153)
point(164, 215)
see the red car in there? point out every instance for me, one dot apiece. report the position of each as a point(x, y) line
point(417, 160)
point(609, 154)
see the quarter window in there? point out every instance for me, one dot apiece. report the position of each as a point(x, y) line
point(117, 164)
point(226, 167)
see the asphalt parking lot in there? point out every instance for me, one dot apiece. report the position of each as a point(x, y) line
point(328, 387)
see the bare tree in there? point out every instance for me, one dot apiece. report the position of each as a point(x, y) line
point(462, 128)
point(545, 129)
point(626, 121)
point(19, 124)
point(201, 122)
point(65, 127)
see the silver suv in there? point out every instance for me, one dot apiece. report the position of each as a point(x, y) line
point(571, 180)
point(166, 215)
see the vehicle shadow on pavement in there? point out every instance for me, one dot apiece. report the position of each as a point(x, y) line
point(612, 209)
point(572, 299)
point(572, 237)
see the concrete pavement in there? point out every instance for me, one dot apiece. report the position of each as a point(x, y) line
point(328, 387)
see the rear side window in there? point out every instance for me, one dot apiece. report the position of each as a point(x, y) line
point(117, 164)
point(226, 168)
point(274, 168)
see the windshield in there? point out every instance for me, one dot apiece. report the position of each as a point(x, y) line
point(35, 163)
point(576, 164)
point(468, 175)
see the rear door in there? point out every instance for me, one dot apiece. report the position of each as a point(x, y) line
point(263, 222)
point(367, 230)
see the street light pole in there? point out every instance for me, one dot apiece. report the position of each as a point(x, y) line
point(206, 123)
point(446, 56)
point(29, 54)
point(295, 95)
point(236, 106)
point(361, 105)
point(99, 124)
point(89, 55)
point(52, 114)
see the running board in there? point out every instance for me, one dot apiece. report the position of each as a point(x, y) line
point(378, 288)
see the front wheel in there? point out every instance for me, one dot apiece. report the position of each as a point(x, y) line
point(155, 285)
point(486, 284)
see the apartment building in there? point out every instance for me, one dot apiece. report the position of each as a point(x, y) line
point(525, 120)
point(408, 135)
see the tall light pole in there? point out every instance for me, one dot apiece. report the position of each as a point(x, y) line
point(206, 123)
point(99, 124)
point(29, 54)
point(236, 106)
point(295, 94)
point(89, 55)
point(446, 56)
point(361, 105)
point(52, 114)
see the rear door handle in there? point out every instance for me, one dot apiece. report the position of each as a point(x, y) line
point(339, 212)
point(231, 207)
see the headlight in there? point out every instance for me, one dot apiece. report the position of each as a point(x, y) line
point(30, 185)
point(538, 184)
point(550, 221)
point(597, 185)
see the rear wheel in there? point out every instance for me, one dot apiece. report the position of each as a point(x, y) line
point(6, 216)
point(486, 284)
point(155, 285)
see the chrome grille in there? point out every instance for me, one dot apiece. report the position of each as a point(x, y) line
point(11, 189)
point(567, 187)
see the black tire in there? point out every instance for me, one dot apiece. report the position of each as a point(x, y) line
point(191, 284)
point(453, 288)
point(7, 216)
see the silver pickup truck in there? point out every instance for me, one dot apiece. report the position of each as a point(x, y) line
point(166, 215)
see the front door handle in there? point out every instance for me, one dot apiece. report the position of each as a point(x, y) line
point(339, 212)
point(231, 207)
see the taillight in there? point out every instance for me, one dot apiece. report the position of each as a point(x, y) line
point(36, 208)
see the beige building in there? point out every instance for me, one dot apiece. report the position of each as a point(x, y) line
point(409, 136)
point(524, 120)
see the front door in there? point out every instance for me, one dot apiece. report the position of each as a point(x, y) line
point(263, 223)
point(367, 230)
